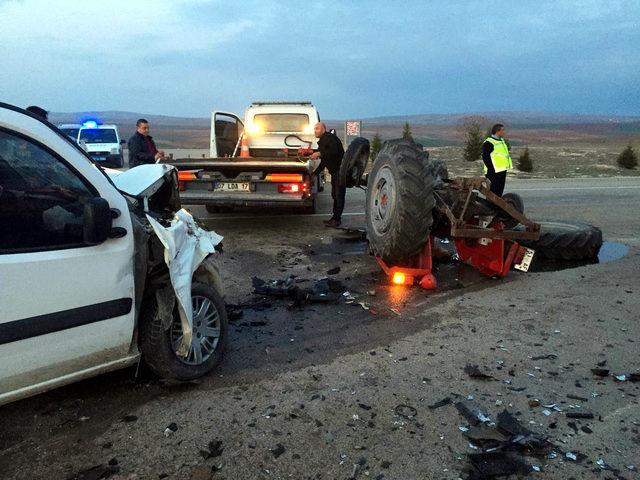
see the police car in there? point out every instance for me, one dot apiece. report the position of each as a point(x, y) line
point(101, 141)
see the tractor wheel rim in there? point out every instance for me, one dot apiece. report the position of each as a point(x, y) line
point(383, 200)
point(206, 331)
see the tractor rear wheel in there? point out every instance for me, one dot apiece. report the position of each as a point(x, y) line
point(566, 241)
point(400, 201)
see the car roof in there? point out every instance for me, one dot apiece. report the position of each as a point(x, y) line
point(107, 125)
point(69, 125)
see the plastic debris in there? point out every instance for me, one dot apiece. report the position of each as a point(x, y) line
point(171, 429)
point(472, 412)
point(571, 456)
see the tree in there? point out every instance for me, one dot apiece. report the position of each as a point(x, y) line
point(472, 128)
point(525, 164)
point(376, 145)
point(406, 132)
point(628, 158)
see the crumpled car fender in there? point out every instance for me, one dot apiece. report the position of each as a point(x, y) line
point(209, 273)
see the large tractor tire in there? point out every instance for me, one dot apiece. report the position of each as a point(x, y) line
point(566, 241)
point(354, 162)
point(438, 171)
point(399, 202)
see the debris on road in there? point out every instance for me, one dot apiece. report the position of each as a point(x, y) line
point(585, 415)
point(496, 464)
point(406, 411)
point(600, 372)
point(215, 449)
point(440, 403)
point(322, 291)
point(333, 271)
point(474, 372)
point(278, 450)
point(171, 429)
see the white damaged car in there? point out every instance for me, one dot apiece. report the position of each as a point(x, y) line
point(97, 270)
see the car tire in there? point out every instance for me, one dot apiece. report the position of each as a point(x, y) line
point(566, 241)
point(399, 202)
point(354, 162)
point(157, 343)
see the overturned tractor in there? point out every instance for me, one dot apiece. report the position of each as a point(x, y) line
point(410, 200)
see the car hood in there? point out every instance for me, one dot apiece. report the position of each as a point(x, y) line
point(155, 184)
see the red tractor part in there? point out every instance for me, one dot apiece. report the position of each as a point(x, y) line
point(492, 257)
point(419, 271)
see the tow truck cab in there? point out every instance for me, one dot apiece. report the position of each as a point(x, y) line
point(257, 162)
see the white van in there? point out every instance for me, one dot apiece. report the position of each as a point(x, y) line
point(84, 286)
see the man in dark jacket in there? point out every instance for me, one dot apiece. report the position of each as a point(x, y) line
point(330, 151)
point(142, 148)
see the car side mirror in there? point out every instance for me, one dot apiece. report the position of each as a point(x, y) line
point(123, 142)
point(97, 221)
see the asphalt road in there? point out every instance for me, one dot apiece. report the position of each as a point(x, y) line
point(271, 342)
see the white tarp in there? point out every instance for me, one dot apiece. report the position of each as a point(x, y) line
point(186, 245)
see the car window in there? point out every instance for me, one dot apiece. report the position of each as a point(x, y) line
point(41, 199)
point(98, 135)
point(72, 133)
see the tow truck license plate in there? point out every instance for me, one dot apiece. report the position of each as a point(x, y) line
point(526, 260)
point(233, 186)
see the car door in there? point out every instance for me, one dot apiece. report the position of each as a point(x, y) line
point(226, 129)
point(67, 306)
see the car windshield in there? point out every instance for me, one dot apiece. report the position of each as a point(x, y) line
point(98, 135)
point(72, 133)
point(281, 122)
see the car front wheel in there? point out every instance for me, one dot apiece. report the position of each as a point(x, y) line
point(159, 344)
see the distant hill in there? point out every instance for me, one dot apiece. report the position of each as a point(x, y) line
point(429, 129)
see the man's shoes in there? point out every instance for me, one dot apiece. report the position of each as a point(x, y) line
point(326, 222)
point(333, 223)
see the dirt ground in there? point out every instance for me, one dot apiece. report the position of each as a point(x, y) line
point(554, 161)
point(345, 391)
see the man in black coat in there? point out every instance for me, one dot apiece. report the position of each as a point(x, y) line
point(330, 151)
point(142, 148)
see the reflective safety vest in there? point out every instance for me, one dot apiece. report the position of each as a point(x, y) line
point(500, 157)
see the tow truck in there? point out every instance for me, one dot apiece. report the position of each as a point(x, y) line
point(259, 162)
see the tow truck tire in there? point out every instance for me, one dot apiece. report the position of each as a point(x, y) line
point(566, 241)
point(354, 162)
point(156, 341)
point(400, 201)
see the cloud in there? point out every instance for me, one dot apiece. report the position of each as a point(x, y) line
point(187, 57)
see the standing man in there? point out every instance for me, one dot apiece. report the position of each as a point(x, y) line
point(496, 158)
point(330, 151)
point(142, 148)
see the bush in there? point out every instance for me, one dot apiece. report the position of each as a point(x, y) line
point(376, 145)
point(628, 158)
point(406, 132)
point(472, 128)
point(525, 164)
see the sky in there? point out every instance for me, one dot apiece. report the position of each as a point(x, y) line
point(355, 59)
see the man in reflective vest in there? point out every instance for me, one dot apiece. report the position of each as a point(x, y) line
point(496, 158)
